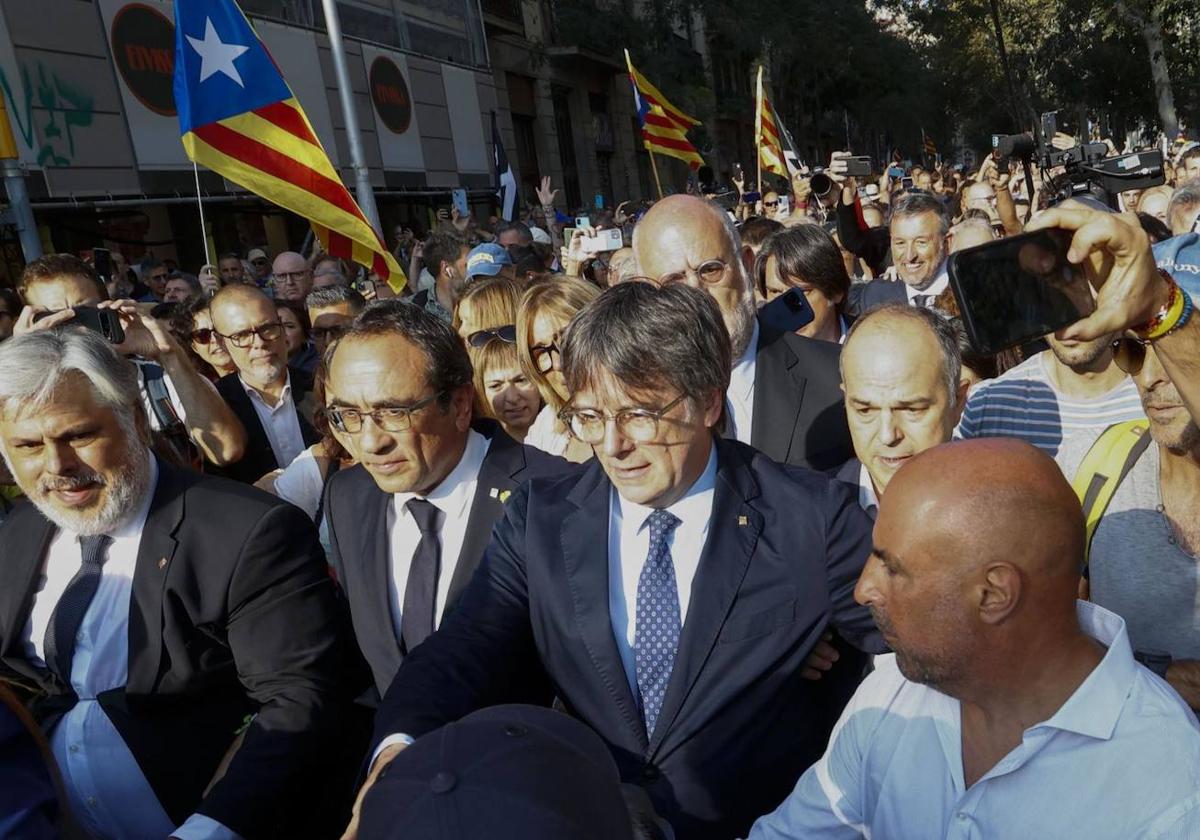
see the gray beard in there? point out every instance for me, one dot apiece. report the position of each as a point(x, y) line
point(127, 488)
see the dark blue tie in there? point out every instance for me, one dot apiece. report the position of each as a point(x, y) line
point(420, 591)
point(71, 607)
point(656, 634)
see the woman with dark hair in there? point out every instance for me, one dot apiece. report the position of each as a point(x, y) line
point(301, 354)
point(806, 257)
point(192, 326)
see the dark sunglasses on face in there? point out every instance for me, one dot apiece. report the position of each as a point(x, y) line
point(203, 335)
point(1130, 354)
point(507, 334)
point(770, 204)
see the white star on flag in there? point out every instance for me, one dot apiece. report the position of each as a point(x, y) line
point(216, 57)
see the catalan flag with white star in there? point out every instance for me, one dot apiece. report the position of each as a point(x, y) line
point(238, 117)
point(766, 132)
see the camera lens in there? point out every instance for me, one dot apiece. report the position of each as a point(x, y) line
point(821, 184)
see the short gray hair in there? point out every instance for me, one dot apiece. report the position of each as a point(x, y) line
point(333, 295)
point(916, 203)
point(944, 332)
point(646, 336)
point(1185, 197)
point(33, 365)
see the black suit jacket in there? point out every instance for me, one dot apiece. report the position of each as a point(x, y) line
point(738, 724)
point(232, 615)
point(799, 416)
point(356, 510)
point(259, 458)
point(864, 297)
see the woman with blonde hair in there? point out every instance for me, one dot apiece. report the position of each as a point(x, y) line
point(546, 308)
point(485, 307)
point(502, 390)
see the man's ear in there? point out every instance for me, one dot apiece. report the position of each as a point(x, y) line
point(748, 262)
point(998, 592)
point(462, 403)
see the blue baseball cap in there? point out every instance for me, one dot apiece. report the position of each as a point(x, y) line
point(1180, 256)
point(488, 259)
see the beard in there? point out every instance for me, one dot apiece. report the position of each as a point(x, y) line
point(122, 490)
point(926, 668)
point(1083, 353)
point(740, 324)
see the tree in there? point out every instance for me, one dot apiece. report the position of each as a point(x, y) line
point(1149, 20)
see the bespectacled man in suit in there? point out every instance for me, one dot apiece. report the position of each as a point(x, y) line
point(181, 631)
point(783, 396)
point(670, 591)
point(409, 523)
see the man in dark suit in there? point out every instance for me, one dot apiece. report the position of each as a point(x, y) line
point(671, 591)
point(783, 396)
point(180, 630)
point(398, 583)
point(268, 397)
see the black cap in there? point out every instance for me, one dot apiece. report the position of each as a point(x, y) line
point(520, 772)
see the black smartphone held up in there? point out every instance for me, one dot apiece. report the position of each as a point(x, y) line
point(858, 166)
point(102, 262)
point(787, 313)
point(104, 321)
point(1018, 289)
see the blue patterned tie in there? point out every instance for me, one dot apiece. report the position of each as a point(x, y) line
point(656, 634)
point(71, 607)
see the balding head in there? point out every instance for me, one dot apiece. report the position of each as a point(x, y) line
point(978, 551)
point(293, 279)
point(682, 234)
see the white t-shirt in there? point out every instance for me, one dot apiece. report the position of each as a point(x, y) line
point(543, 435)
point(301, 484)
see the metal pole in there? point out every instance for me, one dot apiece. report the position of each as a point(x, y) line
point(358, 161)
point(18, 196)
point(200, 207)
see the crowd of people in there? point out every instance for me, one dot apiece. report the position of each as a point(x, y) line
point(569, 539)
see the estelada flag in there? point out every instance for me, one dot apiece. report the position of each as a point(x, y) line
point(664, 127)
point(238, 117)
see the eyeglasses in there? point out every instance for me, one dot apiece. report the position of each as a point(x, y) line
point(543, 356)
point(507, 334)
point(396, 419)
point(637, 424)
point(328, 333)
point(770, 204)
point(203, 335)
point(245, 338)
point(1130, 354)
point(710, 273)
point(290, 276)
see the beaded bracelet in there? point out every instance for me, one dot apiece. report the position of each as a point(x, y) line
point(1166, 317)
point(1173, 323)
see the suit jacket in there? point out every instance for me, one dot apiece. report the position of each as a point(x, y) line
point(259, 458)
point(738, 724)
point(866, 296)
point(232, 615)
point(799, 417)
point(357, 512)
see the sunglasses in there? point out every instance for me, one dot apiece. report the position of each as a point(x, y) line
point(203, 335)
point(507, 334)
point(770, 204)
point(1129, 354)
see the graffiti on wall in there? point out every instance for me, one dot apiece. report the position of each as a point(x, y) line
point(50, 113)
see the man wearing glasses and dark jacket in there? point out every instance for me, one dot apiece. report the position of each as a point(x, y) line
point(266, 395)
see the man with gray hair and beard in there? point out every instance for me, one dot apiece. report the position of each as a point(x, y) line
point(180, 631)
point(784, 396)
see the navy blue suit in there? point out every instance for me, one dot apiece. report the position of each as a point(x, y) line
point(738, 723)
point(864, 297)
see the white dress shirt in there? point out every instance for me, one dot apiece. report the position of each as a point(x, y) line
point(279, 421)
point(868, 499)
point(106, 788)
point(1119, 759)
point(453, 498)
point(941, 281)
point(739, 398)
point(629, 544)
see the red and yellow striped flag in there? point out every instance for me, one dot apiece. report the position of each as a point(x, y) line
point(664, 127)
point(766, 132)
point(238, 117)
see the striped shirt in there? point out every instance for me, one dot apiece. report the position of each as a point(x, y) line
point(1022, 403)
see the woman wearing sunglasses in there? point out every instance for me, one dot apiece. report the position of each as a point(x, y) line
point(502, 390)
point(544, 312)
point(193, 326)
point(486, 304)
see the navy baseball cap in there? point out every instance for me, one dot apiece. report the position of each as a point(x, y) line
point(487, 259)
point(502, 773)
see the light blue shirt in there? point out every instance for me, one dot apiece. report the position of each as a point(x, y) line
point(629, 544)
point(109, 794)
point(1119, 760)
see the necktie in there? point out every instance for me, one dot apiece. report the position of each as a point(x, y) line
point(922, 300)
point(656, 633)
point(69, 611)
point(420, 593)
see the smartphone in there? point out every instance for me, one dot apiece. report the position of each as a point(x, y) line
point(583, 221)
point(604, 240)
point(906, 183)
point(599, 201)
point(102, 262)
point(787, 313)
point(858, 166)
point(1015, 290)
point(895, 171)
point(751, 197)
point(785, 206)
point(458, 199)
point(104, 321)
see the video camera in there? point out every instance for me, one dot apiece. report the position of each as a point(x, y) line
point(1088, 169)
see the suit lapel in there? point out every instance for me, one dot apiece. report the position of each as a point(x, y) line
point(778, 394)
point(256, 436)
point(24, 554)
point(156, 551)
point(584, 540)
point(375, 557)
point(732, 535)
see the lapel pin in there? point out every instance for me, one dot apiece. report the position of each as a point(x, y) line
point(504, 494)
point(162, 562)
point(495, 493)
point(742, 520)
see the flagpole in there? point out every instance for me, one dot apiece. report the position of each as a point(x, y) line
point(200, 206)
point(654, 167)
point(758, 129)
